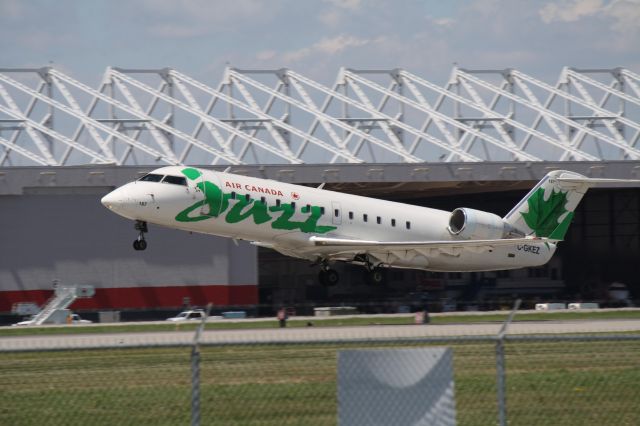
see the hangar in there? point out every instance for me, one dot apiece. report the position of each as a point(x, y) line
point(480, 140)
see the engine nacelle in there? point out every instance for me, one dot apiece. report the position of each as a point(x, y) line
point(476, 224)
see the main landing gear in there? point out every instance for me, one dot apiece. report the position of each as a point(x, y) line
point(375, 276)
point(328, 277)
point(140, 243)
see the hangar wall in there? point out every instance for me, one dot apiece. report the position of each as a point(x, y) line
point(52, 226)
point(65, 234)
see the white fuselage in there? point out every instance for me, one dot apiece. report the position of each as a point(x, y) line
point(284, 216)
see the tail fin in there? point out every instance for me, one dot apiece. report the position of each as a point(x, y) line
point(548, 208)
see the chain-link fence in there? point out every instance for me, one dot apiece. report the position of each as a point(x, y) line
point(548, 379)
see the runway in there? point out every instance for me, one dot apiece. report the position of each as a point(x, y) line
point(310, 334)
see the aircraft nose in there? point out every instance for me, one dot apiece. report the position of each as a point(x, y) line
point(114, 200)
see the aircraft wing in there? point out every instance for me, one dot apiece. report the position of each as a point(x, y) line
point(474, 245)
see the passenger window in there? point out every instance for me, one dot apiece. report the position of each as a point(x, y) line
point(247, 197)
point(278, 202)
point(393, 222)
point(233, 195)
point(308, 207)
point(151, 177)
point(293, 205)
point(321, 210)
point(379, 220)
point(336, 212)
point(365, 217)
point(175, 180)
point(350, 215)
point(263, 200)
point(408, 225)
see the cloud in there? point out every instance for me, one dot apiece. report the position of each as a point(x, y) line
point(325, 46)
point(207, 10)
point(569, 10)
point(177, 30)
point(331, 17)
point(13, 9)
point(338, 11)
point(42, 41)
point(620, 16)
point(345, 4)
point(266, 55)
point(317, 38)
point(626, 15)
point(444, 22)
point(191, 18)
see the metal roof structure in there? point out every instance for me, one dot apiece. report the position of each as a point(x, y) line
point(162, 116)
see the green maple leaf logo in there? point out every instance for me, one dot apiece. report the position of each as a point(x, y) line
point(543, 215)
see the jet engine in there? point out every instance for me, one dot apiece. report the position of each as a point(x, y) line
point(476, 224)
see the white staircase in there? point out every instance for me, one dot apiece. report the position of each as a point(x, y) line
point(62, 298)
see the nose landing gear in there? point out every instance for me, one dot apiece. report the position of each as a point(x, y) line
point(140, 243)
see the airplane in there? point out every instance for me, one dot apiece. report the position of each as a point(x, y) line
point(325, 227)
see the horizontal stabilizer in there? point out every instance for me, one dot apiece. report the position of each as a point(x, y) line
point(595, 181)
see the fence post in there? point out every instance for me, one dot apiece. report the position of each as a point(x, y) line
point(500, 366)
point(195, 371)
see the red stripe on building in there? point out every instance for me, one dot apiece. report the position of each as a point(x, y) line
point(144, 297)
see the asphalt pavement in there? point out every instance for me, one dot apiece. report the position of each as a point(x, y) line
point(309, 334)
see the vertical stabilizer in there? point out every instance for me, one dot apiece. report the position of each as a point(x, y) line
point(548, 208)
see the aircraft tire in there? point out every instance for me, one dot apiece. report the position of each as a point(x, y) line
point(332, 277)
point(136, 245)
point(329, 277)
point(376, 277)
point(142, 244)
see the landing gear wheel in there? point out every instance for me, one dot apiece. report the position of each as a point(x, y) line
point(328, 277)
point(332, 277)
point(140, 243)
point(375, 277)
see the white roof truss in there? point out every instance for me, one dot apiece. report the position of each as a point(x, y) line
point(163, 116)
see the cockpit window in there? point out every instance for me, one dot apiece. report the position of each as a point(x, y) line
point(176, 180)
point(151, 177)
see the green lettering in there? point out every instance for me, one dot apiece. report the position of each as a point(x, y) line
point(183, 216)
point(311, 224)
point(238, 212)
point(217, 202)
point(283, 221)
point(213, 197)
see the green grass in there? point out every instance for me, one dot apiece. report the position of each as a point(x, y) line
point(574, 383)
point(559, 383)
point(331, 322)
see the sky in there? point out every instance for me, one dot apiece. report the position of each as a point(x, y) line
point(316, 38)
